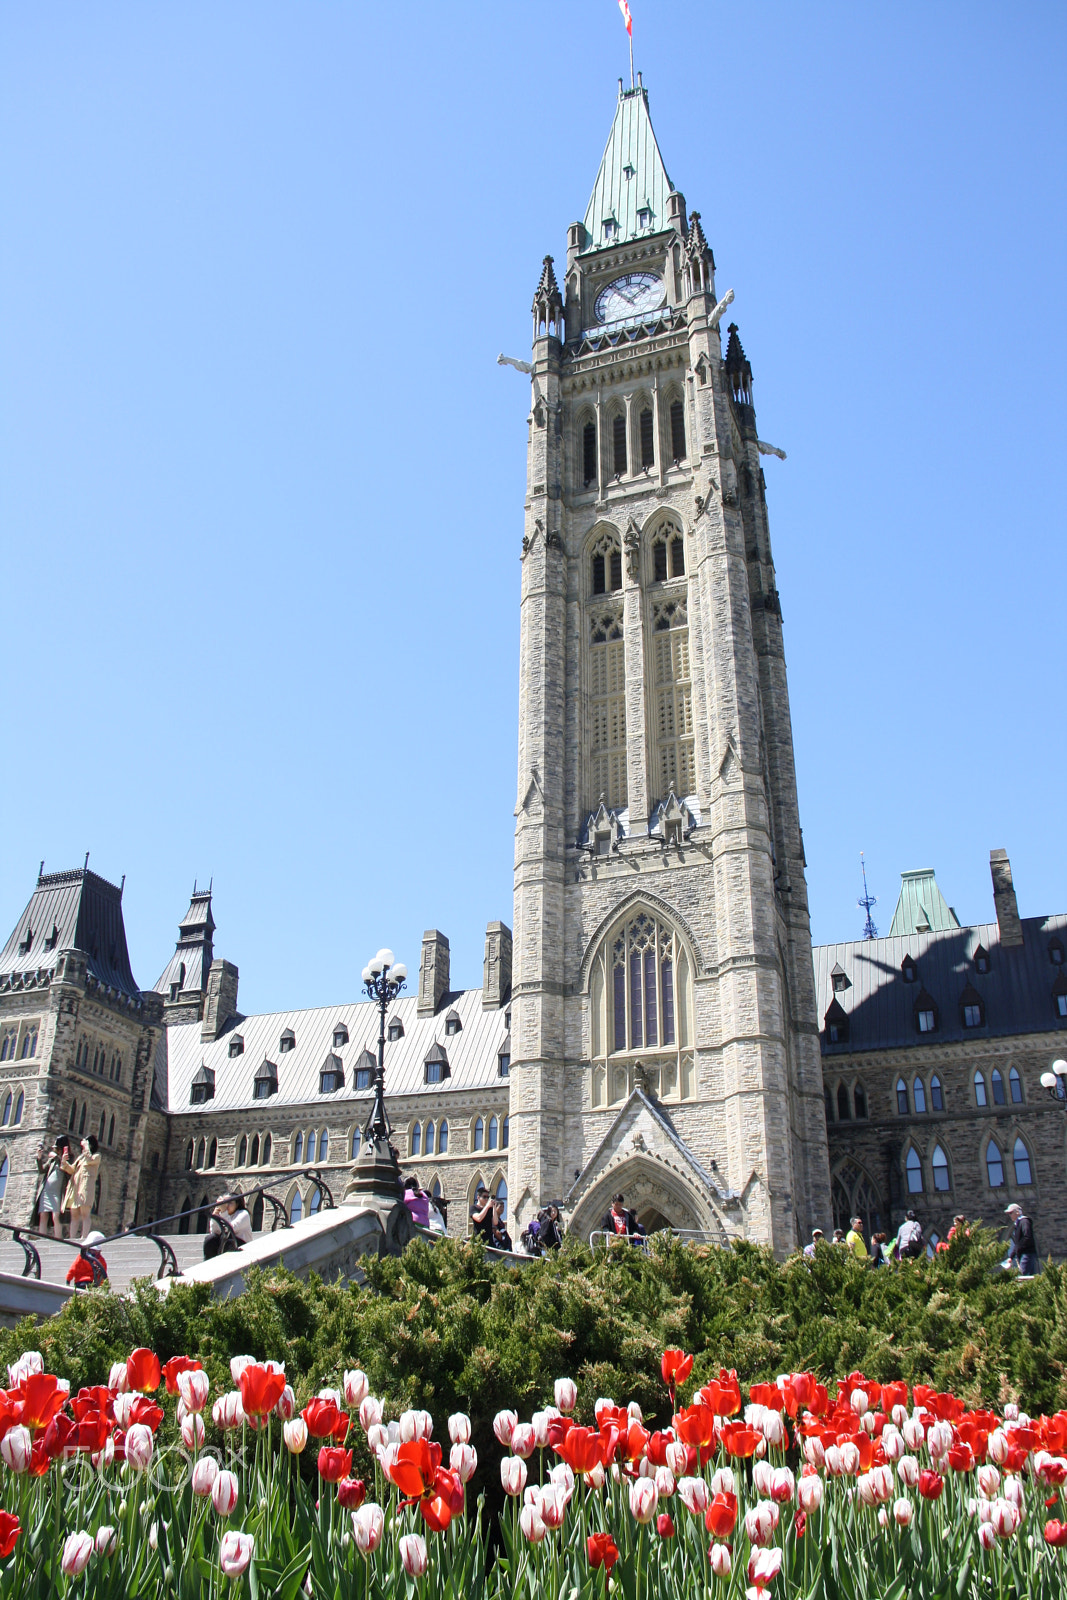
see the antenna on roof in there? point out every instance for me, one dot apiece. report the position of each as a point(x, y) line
point(122, 885)
point(86, 866)
point(194, 888)
point(41, 872)
point(869, 900)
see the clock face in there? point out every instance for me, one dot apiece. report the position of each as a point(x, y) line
point(635, 295)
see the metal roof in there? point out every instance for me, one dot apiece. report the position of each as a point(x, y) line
point(1016, 992)
point(472, 1054)
point(921, 907)
point(73, 911)
point(632, 175)
point(189, 965)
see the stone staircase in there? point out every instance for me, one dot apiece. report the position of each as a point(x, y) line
point(126, 1258)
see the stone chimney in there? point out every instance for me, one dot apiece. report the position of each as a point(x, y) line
point(1011, 929)
point(220, 1001)
point(433, 973)
point(496, 971)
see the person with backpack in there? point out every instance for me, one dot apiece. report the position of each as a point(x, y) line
point(910, 1242)
point(1022, 1247)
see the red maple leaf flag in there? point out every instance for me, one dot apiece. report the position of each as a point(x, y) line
point(626, 17)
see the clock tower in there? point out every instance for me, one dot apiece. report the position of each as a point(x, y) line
point(664, 1036)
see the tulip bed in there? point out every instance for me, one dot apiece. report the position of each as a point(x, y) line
point(146, 1484)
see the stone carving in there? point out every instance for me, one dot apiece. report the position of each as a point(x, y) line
point(631, 540)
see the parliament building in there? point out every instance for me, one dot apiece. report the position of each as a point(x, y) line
point(657, 1022)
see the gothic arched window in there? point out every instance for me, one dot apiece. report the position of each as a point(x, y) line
point(212, 1152)
point(491, 1138)
point(201, 1151)
point(429, 1140)
point(668, 553)
point(607, 706)
point(265, 1158)
point(994, 1165)
point(998, 1086)
point(647, 431)
point(618, 443)
point(1020, 1156)
point(673, 766)
point(357, 1136)
point(298, 1150)
point(606, 564)
point(242, 1151)
point(442, 1140)
point(919, 1097)
point(677, 418)
point(253, 1156)
point(844, 1110)
point(589, 453)
point(1015, 1084)
point(324, 1144)
point(939, 1166)
point(937, 1098)
point(913, 1167)
point(640, 992)
point(416, 1139)
point(479, 1134)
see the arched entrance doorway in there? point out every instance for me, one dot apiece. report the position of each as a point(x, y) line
point(660, 1194)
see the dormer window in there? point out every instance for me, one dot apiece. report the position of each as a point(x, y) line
point(981, 960)
point(840, 980)
point(365, 1070)
point(331, 1075)
point(287, 1042)
point(203, 1086)
point(340, 1036)
point(435, 1064)
point(503, 1060)
point(972, 1009)
point(611, 228)
point(836, 1020)
point(644, 217)
point(396, 1030)
point(452, 1023)
point(926, 1017)
point(53, 938)
point(628, 171)
point(1055, 952)
point(265, 1082)
point(908, 970)
point(26, 943)
point(237, 1046)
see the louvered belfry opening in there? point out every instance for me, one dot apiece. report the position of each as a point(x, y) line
point(648, 448)
point(589, 453)
point(618, 430)
point(677, 431)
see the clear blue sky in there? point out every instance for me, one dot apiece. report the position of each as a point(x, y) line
point(261, 480)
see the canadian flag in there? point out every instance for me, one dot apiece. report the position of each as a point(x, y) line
point(626, 17)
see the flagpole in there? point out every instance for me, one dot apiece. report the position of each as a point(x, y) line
point(630, 31)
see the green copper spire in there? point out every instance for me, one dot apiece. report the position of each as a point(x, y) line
point(629, 198)
point(922, 908)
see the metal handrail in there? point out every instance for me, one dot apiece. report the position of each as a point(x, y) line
point(686, 1235)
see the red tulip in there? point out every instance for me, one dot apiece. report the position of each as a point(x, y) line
point(930, 1484)
point(10, 1528)
point(664, 1525)
point(334, 1463)
point(260, 1389)
point(143, 1371)
point(172, 1368)
point(696, 1426)
point(1055, 1534)
point(438, 1509)
point(351, 1493)
point(583, 1449)
point(675, 1367)
point(324, 1419)
point(800, 1523)
point(42, 1399)
point(738, 1439)
point(961, 1458)
point(721, 1515)
point(656, 1449)
point(602, 1551)
point(56, 1438)
point(414, 1469)
point(145, 1411)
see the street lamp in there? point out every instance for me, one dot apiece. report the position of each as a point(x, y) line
point(376, 1171)
point(1055, 1082)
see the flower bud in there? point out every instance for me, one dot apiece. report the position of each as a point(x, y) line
point(539, 1423)
point(357, 1387)
point(16, 1448)
point(892, 1442)
point(415, 1425)
point(368, 1524)
point(106, 1541)
point(370, 1412)
point(286, 1406)
point(463, 1460)
point(513, 1475)
point(237, 1366)
point(531, 1524)
point(117, 1379)
point(566, 1393)
point(810, 1492)
point(721, 1560)
point(596, 1477)
point(522, 1440)
point(504, 1424)
point(459, 1428)
point(859, 1402)
point(413, 1554)
point(77, 1549)
point(224, 1493)
point(563, 1478)
point(850, 1458)
point(204, 1473)
point(235, 1552)
point(192, 1431)
point(351, 1493)
point(988, 1479)
point(643, 1500)
point(139, 1446)
point(677, 1457)
point(723, 1481)
point(761, 1521)
point(986, 1537)
point(295, 1435)
point(193, 1387)
point(762, 1477)
point(903, 1512)
point(664, 1481)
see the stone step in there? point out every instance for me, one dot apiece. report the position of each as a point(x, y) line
point(126, 1259)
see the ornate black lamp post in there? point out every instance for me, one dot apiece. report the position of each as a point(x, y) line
point(376, 1172)
point(1055, 1082)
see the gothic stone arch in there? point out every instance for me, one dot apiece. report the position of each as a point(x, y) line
point(653, 1190)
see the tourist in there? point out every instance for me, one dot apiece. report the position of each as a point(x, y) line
point(1022, 1247)
point(909, 1241)
point(550, 1228)
point(481, 1215)
point(232, 1207)
point(81, 1190)
point(80, 1271)
point(817, 1238)
point(418, 1202)
point(501, 1236)
point(959, 1228)
point(50, 1199)
point(620, 1221)
point(839, 1237)
point(879, 1250)
point(855, 1241)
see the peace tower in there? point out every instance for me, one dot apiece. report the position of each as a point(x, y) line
point(664, 1032)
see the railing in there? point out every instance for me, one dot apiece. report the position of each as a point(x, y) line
point(640, 1241)
point(168, 1262)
